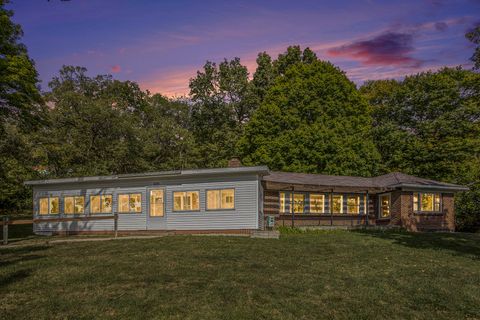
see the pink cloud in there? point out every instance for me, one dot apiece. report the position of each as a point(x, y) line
point(115, 69)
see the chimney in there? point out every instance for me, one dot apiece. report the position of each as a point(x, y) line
point(234, 163)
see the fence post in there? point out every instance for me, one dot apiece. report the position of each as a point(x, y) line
point(115, 223)
point(5, 230)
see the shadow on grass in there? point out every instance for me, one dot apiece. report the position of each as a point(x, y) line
point(19, 232)
point(465, 244)
point(14, 277)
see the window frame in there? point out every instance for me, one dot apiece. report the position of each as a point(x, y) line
point(287, 202)
point(389, 195)
point(48, 197)
point(357, 196)
point(150, 202)
point(310, 203)
point(101, 203)
point(219, 190)
point(341, 204)
point(74, 203)
point(129, 194)
point(186, 210)
point(418, 203)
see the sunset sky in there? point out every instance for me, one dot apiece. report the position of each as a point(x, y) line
point(161, 44)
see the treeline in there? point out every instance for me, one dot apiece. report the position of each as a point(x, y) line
point(296, 113)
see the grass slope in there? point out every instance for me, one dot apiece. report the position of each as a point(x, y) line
point(323, 275)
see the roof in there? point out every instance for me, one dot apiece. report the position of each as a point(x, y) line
point(260, 170)
point(390, 180)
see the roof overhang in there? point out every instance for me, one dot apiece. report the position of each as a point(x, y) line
point(415, 187)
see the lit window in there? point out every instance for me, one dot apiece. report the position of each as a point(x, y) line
point(101, 204)
point(130, 203)
point(337, 204)
point(284, 202)
point(317, 203)
point(353, 204)
point(43, 206)
point(220, 199)
point(384, 203)
point(73, 205)
point(186, 201)
point(298, 202)
point(156, 203)
point(427, 202)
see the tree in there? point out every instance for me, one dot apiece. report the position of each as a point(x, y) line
point(429, 125)
point(21, 109)
point(311, 120)
point(474, 37)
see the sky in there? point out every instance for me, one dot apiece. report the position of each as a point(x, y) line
point(161, 44)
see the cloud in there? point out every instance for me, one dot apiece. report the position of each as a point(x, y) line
point(386, 49)
point(115, 69)
point(170, 83)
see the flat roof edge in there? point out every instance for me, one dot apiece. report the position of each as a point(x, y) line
point(433, 187)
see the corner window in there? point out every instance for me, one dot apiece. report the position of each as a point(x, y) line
point(49, 205)
point(427, 202)
point(353, 204)
point(337, 203)
point(317, 203)
point(220, 199)
point(101, 204)
point(157, 207)
point(186, 201)
point(384, 206)
point(130, 203)
point(73, 205)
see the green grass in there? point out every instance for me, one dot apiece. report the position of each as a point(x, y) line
point(317, 275)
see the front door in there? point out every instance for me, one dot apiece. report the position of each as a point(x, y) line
point(156, 209)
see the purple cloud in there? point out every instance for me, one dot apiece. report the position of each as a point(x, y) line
point(387, 49)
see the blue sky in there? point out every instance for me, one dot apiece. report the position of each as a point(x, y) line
point(161, 44)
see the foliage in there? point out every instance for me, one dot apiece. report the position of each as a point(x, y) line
point(474, 37)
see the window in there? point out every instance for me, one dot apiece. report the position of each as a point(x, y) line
point(73, 205)
point(317, 203)
point(284, 201)
point(157, 207)
point(427, 202)
point(186, 201)
point(384, 206)
point(220, 199)
point(298, 202)
point(49, 205)
point(337, 204)
point(101, 204)
point(130, 203)
point(353, 204)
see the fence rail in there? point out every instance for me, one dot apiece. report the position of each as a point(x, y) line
point(6, 222)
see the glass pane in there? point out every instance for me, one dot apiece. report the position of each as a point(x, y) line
point(298, 202)
point(213, 199)
point(178, 201)
point(384, 206)
point(195, 200)
point(54, 205)
point(107, 202)
point(353, 204)
point(95, 204)
point(69, 205)
point(415, 202)
point(123, 203)
point(427, 202)
point(79, 204)
point(317, 203)
point(228, 199)
point(156, 203)
point(136, 202)
point(43, 204)
point(437, 202)
point(283, 207)
point(337, 204)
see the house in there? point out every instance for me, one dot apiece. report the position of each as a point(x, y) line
point(239, 200)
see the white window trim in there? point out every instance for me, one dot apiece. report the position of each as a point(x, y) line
point(310, 203)
point(129, 194)
point(149, 195)
point(359, 197)
point(420, 195)
point(48, 197)
point(185, 210)
point(219, 189)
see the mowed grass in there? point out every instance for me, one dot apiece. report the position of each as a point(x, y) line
point(322, 275)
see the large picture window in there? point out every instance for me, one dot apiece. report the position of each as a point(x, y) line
point(353, 204)
point(427, 202)
point(337, 203)
point(384, 206)
point(130, 203)
point(220, 199)
point(186, 201)
point(101, 204)
point(317, 203)
point(49, 205)
point(73, 204)
point(157, 204)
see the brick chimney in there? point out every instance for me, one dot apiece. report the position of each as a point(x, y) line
point(234, 163)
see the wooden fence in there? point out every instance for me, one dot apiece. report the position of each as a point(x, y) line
point(6, 222)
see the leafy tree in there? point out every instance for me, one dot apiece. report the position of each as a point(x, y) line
point(311, 120)
point(428, 125)
point(474, 37)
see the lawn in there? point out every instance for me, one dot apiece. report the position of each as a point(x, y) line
point(323, 275)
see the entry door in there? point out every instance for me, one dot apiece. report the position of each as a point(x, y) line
point(156, 219)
